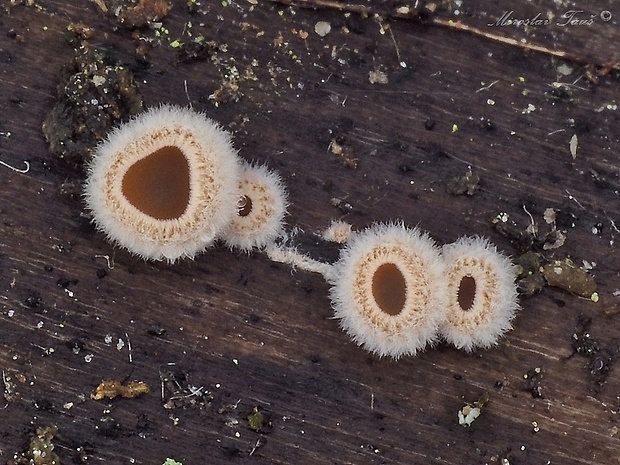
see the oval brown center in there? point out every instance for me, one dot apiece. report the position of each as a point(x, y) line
point(389, 289)
point(159, 184)
point(244, 206)
point(467, 292)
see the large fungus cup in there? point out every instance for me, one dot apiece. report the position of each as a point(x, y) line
point(165, 184)
point(388, 289)
point(482, 296)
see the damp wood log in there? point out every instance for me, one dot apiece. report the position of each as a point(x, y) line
point(232, 358)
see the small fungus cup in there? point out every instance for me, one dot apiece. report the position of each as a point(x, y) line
point(482, 296)
point(165, 184)
point(260, 210)
point(388, 289)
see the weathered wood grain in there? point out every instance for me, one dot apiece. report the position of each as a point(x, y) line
point(252, 332)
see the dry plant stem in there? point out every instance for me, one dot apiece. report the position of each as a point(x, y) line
point(412, 14)
point(328, 4)
point(516, 43)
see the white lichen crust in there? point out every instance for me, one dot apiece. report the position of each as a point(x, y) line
point(213, 183)
point(418, 260)
point(264, 221)
point(495, 300)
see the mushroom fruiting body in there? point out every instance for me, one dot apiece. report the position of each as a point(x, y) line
point(260, 210)
point(482, 296)
point(165, 184)
point(388, 289)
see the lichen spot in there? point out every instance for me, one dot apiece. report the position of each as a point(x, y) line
point(159, 184)
point(389, 288)
point(244, 206)
point(467, 292)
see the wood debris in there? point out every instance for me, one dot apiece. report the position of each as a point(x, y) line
point(109, 389)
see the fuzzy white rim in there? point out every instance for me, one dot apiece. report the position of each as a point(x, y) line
point(495, 300)
point(214, 174)
point(415, 255)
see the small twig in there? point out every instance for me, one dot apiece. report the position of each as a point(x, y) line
point(17, 170)
point(400, 60)
point(592, 71)
point(605, 67)
point(129, 348)
point(187, 93)
point(259, 443)
point(533, 228)
point(109, 261)
point(7, 389)
point(327, 4)
point(570, 197)
point(487, 87)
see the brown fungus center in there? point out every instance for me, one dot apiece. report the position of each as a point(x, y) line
point(467, 292)
point(389, 288)
point(159, 184)
point(244, 206)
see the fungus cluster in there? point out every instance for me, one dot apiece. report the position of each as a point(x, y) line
point(395, 291)
point(168, 184)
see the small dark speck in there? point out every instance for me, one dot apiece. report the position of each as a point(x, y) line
point(404, 168)
point(254, 318)
point(101, 273)
point(400, 146)
point(231, 451)
point(48, 268)
point(356, 25)
point(76, 345)
point(210, 289)
point(559, 302)
point(11, 34)
point(245, 278)
point(15, 100)
point(458, 377)
point(429, 124)
point(109, 427)
point(65, 282)
point(565, 219)
point(33, 300)
point(45, 405)
point(498, 384)
point(487, 124)
point(156, 330)
point(142, 424)
point(598, 229)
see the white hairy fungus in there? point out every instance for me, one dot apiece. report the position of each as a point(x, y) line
point(260, 211)
point(338, 231)
point(388, 289)
point(482, 296)
point(165, 184)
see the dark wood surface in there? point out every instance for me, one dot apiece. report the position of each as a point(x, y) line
point(252, 333)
